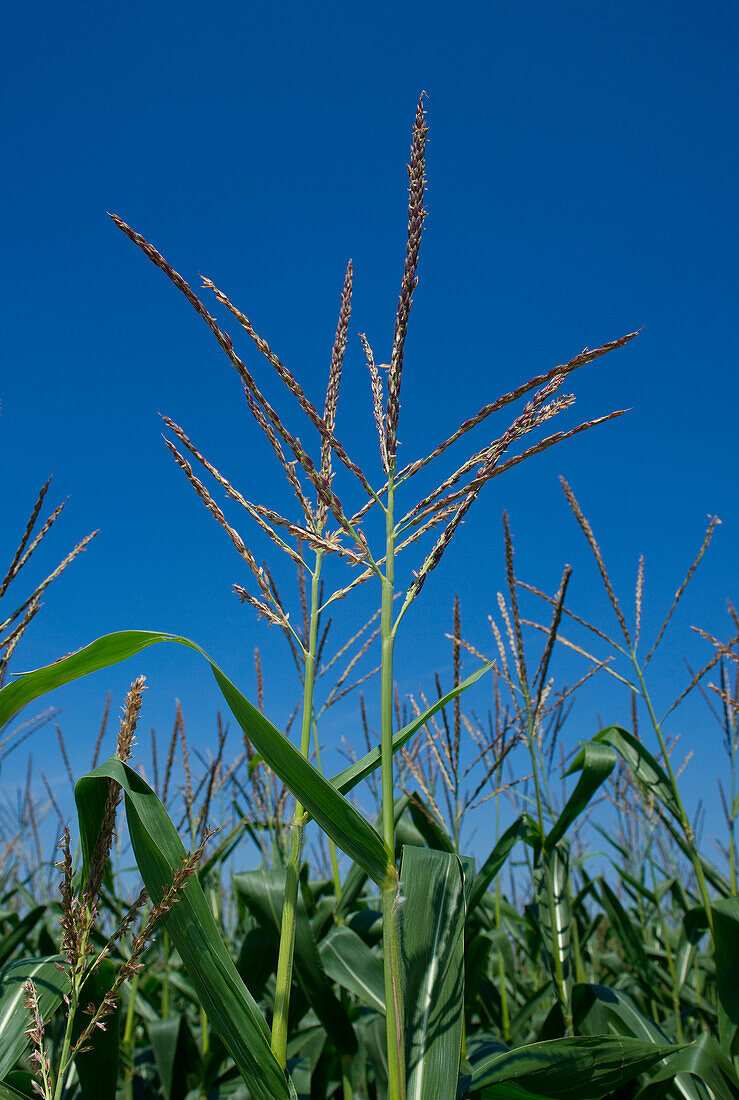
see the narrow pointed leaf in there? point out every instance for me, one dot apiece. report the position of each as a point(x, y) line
point(335, 815)
point(524, 828)
point(351, 776)
point(702, 1060)
point(596, 762)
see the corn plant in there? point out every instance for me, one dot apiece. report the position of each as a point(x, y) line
point(415, 1040)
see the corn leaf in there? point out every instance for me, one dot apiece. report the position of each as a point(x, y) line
point(596, 762)
point(432, 952)
point(585, 1068)
point(51, 984)
point(643, 765)
point(159, 853)
point(726, 936)
point(354, 966)
point(702, 1060)
point(351, 776)
point(554, 917)
point(523, 828)
point(335, 815)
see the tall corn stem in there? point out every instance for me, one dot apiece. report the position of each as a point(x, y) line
point(287, 931)
point(390, 895)
point(684, 820)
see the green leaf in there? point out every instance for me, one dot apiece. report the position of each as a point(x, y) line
point(335, 815)
point(263, 892)
point(159, 852)
point(599, 1009)
point(702, 1059)
point(351, 776)
point(97, 1069)
point(51, 985)
point(596, 761)
point(432, 953)
point(523, 828)
point(356, 876)
point(17, 935)
point(428, 825)
point(726, 938)
point(175, 1054)
point(551, 885)
point(643, 765)
point(354, 966)
point(303, 1053)
point(629, 935)
point(7, 1092)
point(585, 1068)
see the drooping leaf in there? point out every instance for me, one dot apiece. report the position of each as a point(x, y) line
point(702, 1060)
point(431, 829)
point(523, 828)
point(190, 925)
point(600, 1009)
point(642, 764)
point(432, 952)
point(596, 762)
point(335, 814)
point(356, 876)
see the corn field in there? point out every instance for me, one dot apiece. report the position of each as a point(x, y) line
point(247, 926)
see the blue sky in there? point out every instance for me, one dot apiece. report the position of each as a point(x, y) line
point(582, 184)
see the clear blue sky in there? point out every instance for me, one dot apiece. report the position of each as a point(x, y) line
point(582, 183)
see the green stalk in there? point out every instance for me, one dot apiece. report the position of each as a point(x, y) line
point(287, 931)
point(391, 894)
point(731, 732)
point(165, 980)
point(669, 956)
point(74, 996)
point(684, 821)
point(506, 1019)
point(128, 1035)
point(536, 762)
